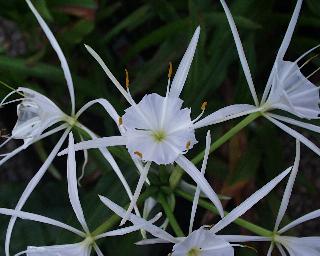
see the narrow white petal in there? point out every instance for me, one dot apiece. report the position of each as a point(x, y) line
point(284, 46)
point(108, 72)
point(270, 249)
point(97, 250)
point(127, 230)
point(242, 239)
point(184, 66)
point(142, 179)
point(135, 220)
point(241, 53)
point(197, 193)
point(292, 121)
point(282, 251)
point(97, 143)
point(200, 180)
point(152, 241)
point(105, 104)
point(295, 134)
point(39, 218)
point(249, 202)
point(59, 52)
point(288, 190)
point(225, 114)
point(106, 154)
point(73, 185)
point(310, 216)
point(31, 185)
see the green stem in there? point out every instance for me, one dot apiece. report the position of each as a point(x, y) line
point(178, 172)
point(241, 222)
point(172, 219)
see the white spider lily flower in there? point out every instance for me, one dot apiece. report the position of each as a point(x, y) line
point(302, 246)
point(158, 129)
point(286, 89)
point(202, 241)
point(83, 248)
point(37, 113)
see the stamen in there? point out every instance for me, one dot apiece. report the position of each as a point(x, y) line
point(120, 121)
point(313, 73)
point(308, 60)
point(127, 79)
point(204, 105)
point(188, 145)
point(139, 154)
point(170, 70)
point(11, 88)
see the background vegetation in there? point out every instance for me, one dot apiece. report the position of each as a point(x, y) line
point(144, 36)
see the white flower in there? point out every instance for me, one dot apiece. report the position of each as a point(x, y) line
point(158, 129)
point(89, 241)
point(294, 246)
point(37, 113)
point(201, 242)
point(286, 89)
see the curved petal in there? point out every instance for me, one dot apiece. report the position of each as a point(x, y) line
point(226, 113)
point(295, 134)
point(184, 66)
point(105, 104)
point(310, 216)
point(242, 56)
point(284, 46)
point(249, 202)
point(108, 72)
point(59, 52)
point(97, 143)
point(73, 185)
point(31, 185)
point(288, 190)
point(135, 220)
point(197, 193)
point(40, 218)
point(142, 179)
point(200, 180)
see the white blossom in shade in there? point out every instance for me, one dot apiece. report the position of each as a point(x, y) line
point(88, 244)
point(287, 88)
point(37, 115)
point(289, 245)
point(203, 241)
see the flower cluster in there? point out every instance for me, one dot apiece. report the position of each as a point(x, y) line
point(158, 130)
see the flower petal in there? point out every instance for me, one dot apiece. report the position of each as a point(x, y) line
point(197, 193)
point(242, 56)
point(41, 219)
point(249, 202)
point(242, 239)
point(97, 143)
point(142, 179)
point(310, 216)
point(284, 46)
point(184, 66)
point(295, 134)
point(288, 190)
point(31, 185)
point(226, 113)
point(73, 185)
point(108, 72)
point(59, 52)
point(200, 180)
point(152, 229)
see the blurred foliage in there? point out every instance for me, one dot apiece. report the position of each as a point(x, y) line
point(144, 36)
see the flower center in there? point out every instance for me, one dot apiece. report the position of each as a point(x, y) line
point(194, 252)
point(159, 136)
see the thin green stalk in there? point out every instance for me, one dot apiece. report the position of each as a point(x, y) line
point(178, 172)
point(241, 222)
point(172, 219)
